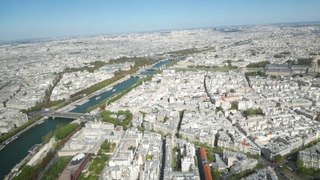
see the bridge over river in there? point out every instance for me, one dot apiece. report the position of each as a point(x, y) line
point(12, 153)
point(68, 115)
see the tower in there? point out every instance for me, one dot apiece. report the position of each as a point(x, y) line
point(313, 69)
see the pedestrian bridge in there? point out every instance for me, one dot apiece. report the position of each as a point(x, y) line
point(68, 115)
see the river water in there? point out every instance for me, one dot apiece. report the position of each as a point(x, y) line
point(18, 149)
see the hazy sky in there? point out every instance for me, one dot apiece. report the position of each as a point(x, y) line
point(25, 19)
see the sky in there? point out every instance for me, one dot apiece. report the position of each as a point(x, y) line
point(29, 19)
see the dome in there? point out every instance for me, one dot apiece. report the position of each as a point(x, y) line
point(77, 158)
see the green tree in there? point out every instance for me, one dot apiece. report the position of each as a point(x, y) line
point(219, 109)
point(253, 112)
point(258, 64)
point(64, 131)
point(103, 106)
point(279, 158)
point(47, 137)
point(234, 105)
point(215, 174)
point(56, 168)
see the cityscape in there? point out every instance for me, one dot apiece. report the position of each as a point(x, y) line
point(224, 102)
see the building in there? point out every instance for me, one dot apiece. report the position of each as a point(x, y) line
point(90, 138)
point(314, 68)
point(187, 163)
point(288, 70)
point(238, 162)
point(278, 69)
point(219, 164)
point(265, 173)
point(184, 176)
point(299, 69)
point(310, 157)
point(74, 168)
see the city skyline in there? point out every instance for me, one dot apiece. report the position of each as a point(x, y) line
point(37, 19)
point(154, 90)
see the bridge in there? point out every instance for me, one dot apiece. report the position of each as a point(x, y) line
point(179, 58)
point(68, 115)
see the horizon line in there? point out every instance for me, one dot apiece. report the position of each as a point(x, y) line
point(65, 37)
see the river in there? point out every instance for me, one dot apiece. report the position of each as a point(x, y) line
point(18, 149)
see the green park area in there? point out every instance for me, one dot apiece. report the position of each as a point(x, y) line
point(56, 168)
point(119, 118)
point(305, 61)
point(64, 131)
point(255, 73)
point(253, 112)
point(32, 172)
point(99, 161)
point(225, 68)
point(176, 159)
point(260, 64)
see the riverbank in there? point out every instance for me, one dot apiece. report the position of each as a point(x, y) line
point(38, 157)
point(14, 152)
point(85, 99)
point(120, 94)
point(10, 156)
point(15, 136)
point(68, 107)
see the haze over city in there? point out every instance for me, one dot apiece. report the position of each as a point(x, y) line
point(47, 19)
point(170, 89)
